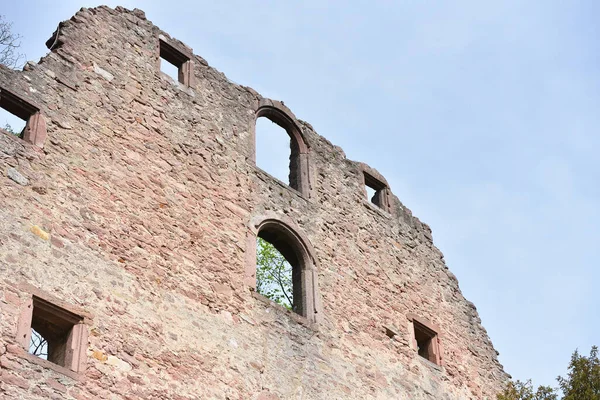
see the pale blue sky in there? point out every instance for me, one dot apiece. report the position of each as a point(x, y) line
point(483, 116)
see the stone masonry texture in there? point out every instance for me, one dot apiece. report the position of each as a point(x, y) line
point(137, 210)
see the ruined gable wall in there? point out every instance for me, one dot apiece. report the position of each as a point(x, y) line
point(147, 189)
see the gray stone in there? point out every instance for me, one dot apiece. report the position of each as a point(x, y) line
point(17, 177)
point(103, 73)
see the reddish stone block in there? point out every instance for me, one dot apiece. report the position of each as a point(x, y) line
point(8, 363)
point(56, 242)
point(11, 379)
point(267, 396)
point(54, 384)
point(12, 298)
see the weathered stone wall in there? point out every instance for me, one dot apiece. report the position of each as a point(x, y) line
point(146, 190)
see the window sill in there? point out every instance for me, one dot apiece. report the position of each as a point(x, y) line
point(377, 209)
point(20, 352)
point(176, 84)
point(301, 320)
point(11, 135)
point(265, 176)
point(430, 364)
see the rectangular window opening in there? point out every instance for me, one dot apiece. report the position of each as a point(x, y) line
point(174, 63)
point(10, 123)
point(170, 69)
point(426, 340)
point(376, 191)
point(14, 113)
point(53, 333)
point(371, 193)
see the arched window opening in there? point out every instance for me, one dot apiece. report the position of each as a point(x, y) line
point(287, 253)
point(273, 150)
point(285, 268)
point(281, 148)
point(273, 274)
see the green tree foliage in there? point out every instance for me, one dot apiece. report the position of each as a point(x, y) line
point(273, 274)
point(9, 43)
point(583, 379)
point(10, 130)
point(581, 383)
point(524, 391)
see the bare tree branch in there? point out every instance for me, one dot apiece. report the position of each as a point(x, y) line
point(39, 345)
point(280, 267)
point(9, 43)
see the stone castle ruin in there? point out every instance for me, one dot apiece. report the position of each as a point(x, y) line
point(129, 211)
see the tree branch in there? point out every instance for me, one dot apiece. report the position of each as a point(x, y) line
point(9, 42)
point(279, 280)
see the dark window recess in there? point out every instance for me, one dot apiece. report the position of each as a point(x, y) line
point(376, 191)
point(174, 63)
point(53, 333)
point(426, 342)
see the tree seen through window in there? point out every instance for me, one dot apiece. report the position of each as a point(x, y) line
point(273, 274)
point(39, 345)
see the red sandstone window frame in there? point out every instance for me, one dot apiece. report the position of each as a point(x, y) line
point(75, 343)
point(429, 335)
point(372, 179)
point(183, 61)
point(305, 273)
point(299, 167)
point(35, 127)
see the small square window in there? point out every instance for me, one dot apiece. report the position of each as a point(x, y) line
point(54, 334)
point(19, 118)
point(170, 69)
point(377, 192)
point(175, 63)
point(426, 341)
